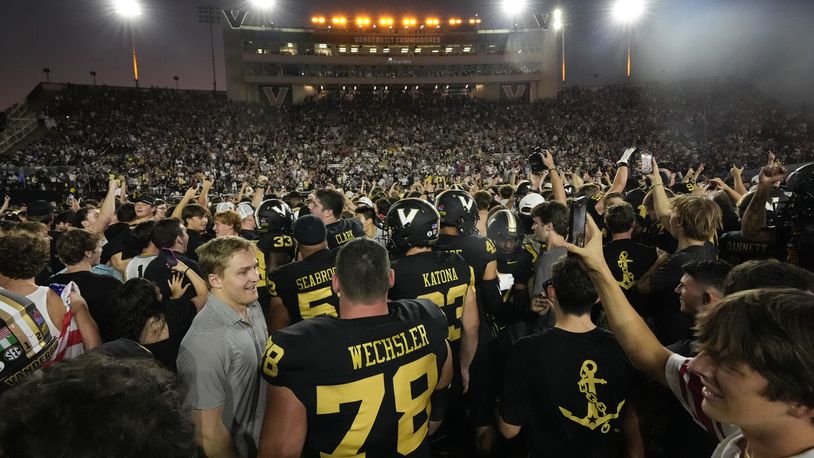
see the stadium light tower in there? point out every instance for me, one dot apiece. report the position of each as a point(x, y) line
point(626, 13)
point(210, 15)
point(129, 10)
point(560, 27)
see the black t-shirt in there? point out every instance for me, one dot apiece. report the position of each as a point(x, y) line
point(571, 391)
point(97, 290)
point(196, 239)
point(343, 231)
point(375, 373)
point(440, 277)
point(305, 286)
point(628, 261)
point(671, 324)
point(119, 240)
point(248, 234)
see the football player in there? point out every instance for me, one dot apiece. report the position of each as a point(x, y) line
point(442, 277)
point(514, 263)
point(361, 385)
point(275, 247)
point(327, 205)
point(302, 289)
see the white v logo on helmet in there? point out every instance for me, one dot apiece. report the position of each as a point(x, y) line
point(467, 203)
point(406, 218)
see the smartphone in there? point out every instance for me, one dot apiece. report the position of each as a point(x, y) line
point(646, 163)
point(536, 163)
point(172, 260)
point(576, 232)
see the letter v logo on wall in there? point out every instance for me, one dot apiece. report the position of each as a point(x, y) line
point(235, 17)
point(406, 218)
point(514, 91)
point(276, 94)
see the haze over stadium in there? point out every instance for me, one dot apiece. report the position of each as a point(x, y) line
point(766, 43)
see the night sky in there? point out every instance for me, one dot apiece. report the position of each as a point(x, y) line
point(769, 43)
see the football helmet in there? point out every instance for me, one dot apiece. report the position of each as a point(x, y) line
point(412, 223)
point(506, 229)
point(457, 208)
point(273, 215)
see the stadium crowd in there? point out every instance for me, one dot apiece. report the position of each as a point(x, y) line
point(399, 276)
point(162, 140)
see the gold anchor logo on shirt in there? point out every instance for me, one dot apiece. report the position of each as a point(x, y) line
point(628, 279)
point(596, 415)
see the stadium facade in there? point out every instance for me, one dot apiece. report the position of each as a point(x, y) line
point(344, 56)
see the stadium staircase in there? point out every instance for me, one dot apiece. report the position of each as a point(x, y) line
point(22, 125)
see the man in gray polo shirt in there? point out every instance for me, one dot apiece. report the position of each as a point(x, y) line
point(220, 354)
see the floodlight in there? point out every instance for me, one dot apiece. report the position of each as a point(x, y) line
point(557, 24)
point(514, 7)
point(628, 11)
point(127, 8)
point(263, 4)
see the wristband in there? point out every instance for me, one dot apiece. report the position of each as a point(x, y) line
point(553, 169)
point(657, 184)
point(185, 272)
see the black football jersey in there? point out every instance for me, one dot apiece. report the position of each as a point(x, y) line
point(477, 250)
point(343, 231)
point(440, 277)
point(366, 382)
point(305, 286)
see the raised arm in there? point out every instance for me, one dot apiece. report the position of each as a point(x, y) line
point(753, 226)
point(660, 201)
point(737, 175)
point(556, 180)
point(203, 198)
point(108, 208)
point(188, 197)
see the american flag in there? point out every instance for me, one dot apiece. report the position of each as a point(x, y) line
point(7, 339)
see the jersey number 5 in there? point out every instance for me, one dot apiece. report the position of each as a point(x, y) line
point(370, 391)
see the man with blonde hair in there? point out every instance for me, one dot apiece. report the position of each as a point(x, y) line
point(692, 221)
point(220, 354)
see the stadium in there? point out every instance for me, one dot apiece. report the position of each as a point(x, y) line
point(342, 56)
point(278, 229)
